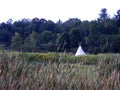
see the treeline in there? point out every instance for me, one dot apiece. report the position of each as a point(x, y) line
point(39, 35)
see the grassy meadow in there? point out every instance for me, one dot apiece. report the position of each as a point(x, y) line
point(58, 71)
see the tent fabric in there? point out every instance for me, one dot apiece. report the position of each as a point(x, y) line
point(80, 51)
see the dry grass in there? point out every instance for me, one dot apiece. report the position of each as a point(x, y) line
point(16, 73)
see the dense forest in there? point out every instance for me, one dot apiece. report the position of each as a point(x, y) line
point(40, 35)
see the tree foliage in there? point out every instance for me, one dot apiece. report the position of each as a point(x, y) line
point(16, 42)
point(98, 36)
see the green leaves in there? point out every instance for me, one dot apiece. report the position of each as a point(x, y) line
point(17, 42)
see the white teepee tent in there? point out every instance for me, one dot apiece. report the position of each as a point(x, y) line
point(79, 51)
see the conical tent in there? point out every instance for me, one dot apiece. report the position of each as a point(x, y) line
point(80, 51)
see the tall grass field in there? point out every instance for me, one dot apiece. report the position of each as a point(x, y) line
point(59, 71)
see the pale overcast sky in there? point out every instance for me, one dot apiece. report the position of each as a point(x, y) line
point(55, 9)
